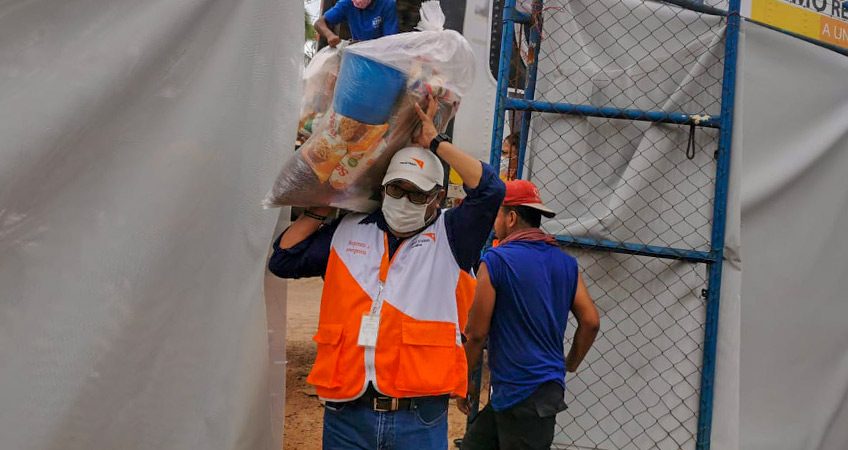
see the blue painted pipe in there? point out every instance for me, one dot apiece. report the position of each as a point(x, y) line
point(728, 98)
point(610, 112)
point(530, 88)
point(629, 248)
point(503, 83)
point(520, 17)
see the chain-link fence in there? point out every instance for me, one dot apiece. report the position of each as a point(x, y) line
point(638, 387)
point(629, 181)
point(623, 143)
point(620, 182)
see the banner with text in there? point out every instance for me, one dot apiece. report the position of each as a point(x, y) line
point(822, 20)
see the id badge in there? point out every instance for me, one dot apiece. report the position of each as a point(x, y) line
point(368, 330)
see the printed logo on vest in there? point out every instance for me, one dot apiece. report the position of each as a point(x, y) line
point(423, 238)
point(376, 22)
point(357, 248)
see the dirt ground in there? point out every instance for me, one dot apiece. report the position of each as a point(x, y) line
point(304, 412)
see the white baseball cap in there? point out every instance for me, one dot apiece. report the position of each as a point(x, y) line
point(417, 165)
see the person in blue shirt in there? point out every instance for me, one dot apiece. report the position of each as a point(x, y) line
point(367, 19)
point(526, 287)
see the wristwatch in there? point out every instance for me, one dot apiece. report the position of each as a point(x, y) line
point(315, 216)
point(434, 144)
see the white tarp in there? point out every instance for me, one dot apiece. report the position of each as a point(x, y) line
point(782, 367)
point(137, 139)
point(794, 244)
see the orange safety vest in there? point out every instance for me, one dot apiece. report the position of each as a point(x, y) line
point(422, 298)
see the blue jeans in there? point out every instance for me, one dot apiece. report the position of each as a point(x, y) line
point(356, 426)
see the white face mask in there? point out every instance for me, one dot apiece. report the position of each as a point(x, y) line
point(404, 216)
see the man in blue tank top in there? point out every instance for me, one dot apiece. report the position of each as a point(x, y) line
point(526, 287)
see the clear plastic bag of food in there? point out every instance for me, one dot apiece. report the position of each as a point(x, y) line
point(372, 116)
point(319, 82)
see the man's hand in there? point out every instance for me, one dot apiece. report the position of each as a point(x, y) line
point(428, 129)
point(468, 168)
point(324, 30)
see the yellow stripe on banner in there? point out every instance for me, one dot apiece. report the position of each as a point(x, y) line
point(786, 17)
point(801, 21)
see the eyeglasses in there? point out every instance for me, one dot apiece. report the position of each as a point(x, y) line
point(415, 197)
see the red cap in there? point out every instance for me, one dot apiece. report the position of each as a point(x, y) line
point(525, 193)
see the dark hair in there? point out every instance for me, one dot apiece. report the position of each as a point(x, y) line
point(513, 138)
point(530, 216)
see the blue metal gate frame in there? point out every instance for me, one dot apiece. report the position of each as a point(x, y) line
point(714, 257)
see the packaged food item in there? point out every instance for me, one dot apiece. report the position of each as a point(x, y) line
point(358, 160)
point(319, 83)
point(347, 142)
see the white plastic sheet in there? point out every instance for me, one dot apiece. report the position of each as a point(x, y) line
point(794, 249)
point(137, 140)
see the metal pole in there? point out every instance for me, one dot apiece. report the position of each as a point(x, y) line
point(530, 89)
point(503, 82)
point(728, 94)
point(633, 248)
point(611, 112)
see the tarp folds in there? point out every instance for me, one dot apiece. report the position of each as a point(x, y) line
point(137, 140)
point(794, 249)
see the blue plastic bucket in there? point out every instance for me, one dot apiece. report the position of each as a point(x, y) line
point(367, 90)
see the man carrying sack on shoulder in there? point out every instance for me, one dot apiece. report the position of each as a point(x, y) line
point(397, 289)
